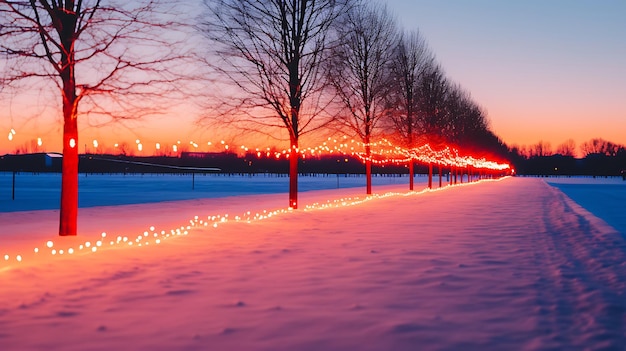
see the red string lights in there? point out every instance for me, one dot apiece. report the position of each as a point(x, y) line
point(385, 153)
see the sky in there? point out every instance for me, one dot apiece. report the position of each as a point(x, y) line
point(542, 70)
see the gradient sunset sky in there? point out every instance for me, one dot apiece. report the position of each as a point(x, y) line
point(542, 70)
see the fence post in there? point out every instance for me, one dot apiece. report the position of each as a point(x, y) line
point(13, 192)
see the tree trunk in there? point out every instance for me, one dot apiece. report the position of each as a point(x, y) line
point(69, 179)
point(368, 169)
point(65, 23)
point(69, 176)
point(293, 175)
point(411, 172)
point(430, 175)
point(440, 175)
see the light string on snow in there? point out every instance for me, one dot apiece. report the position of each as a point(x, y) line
point(152, 236)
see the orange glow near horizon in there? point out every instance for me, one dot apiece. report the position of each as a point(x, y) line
point(186, 136)
point(382, 152)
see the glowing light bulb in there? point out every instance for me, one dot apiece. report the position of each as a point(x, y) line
point(49, 244)
point(72, 143)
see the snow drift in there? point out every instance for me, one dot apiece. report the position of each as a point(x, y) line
point(513, 264)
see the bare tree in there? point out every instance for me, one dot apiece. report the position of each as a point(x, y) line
point(272, 51)
point(96, 53)
point(567, 148)
point(522, 151)
point(433, 95)
point(360, 71)
point(410, 59)
point(465, 124)
point(541, 149)
point(601, 147)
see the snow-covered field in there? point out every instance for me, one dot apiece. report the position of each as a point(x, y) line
point(42, 191)
point(604, 197)
point(496, 265)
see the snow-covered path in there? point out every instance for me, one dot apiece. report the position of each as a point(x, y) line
point(508, 265)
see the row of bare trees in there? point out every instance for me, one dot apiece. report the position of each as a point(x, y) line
point(596, 146)
point(342, 65)
point(288, 67)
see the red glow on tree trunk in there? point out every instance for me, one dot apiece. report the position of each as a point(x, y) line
point(368, 175)
point(368, 168)
point(430, 175)
point(293, 178)
point(411, 172)
point(440, 175)
point(69, 180)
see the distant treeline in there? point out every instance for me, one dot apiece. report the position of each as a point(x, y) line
point(591, 165)
point(602, 158)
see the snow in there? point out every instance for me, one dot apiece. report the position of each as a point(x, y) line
point(496, 265)
point(604, 197)
point(42, 191)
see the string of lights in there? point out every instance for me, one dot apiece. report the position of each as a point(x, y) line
point(380, 153)
point(52, 249)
